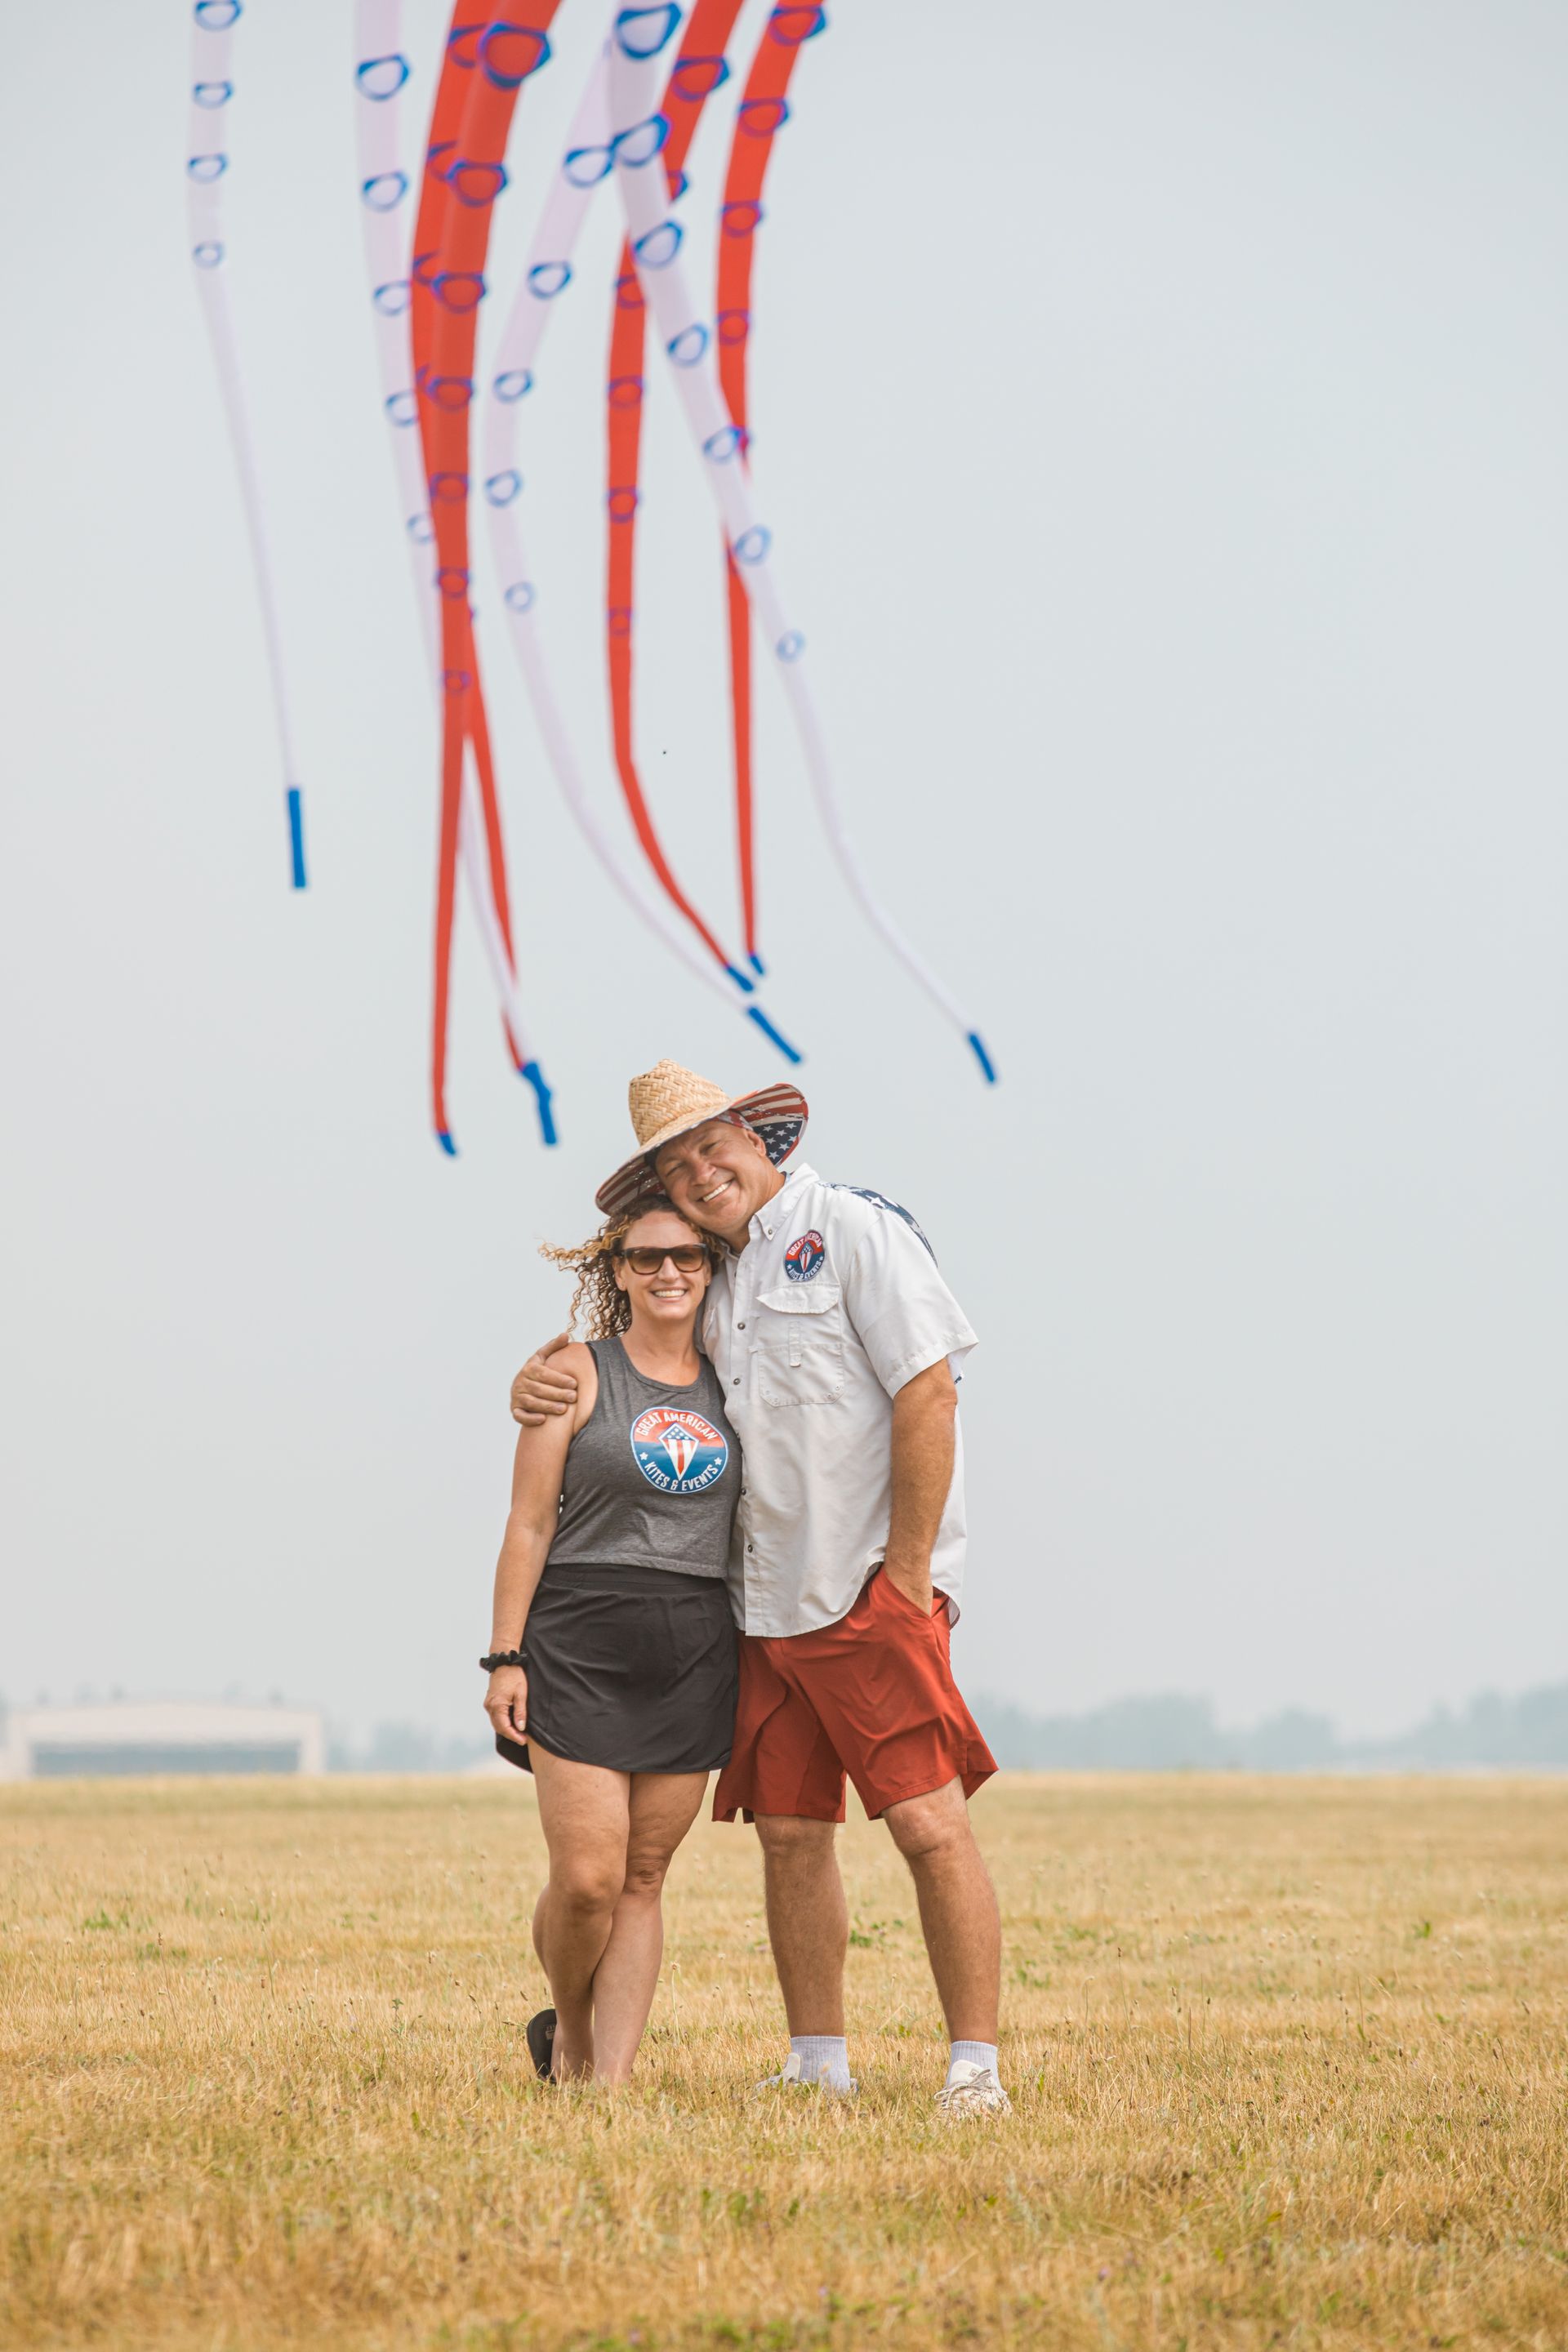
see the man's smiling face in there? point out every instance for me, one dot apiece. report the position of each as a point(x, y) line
point(719, 1176)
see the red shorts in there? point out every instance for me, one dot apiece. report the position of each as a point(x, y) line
point(872, 1696)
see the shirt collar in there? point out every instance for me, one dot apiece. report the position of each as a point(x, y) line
point(766, 1224)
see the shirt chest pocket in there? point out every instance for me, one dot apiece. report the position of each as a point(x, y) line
point(798, 1353)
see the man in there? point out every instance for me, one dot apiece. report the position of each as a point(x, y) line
point(837, 1343)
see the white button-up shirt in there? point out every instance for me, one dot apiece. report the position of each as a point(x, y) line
point(835, 1303)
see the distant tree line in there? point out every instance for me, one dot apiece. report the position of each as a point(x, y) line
point(1167, 1732)
point(1172, 1732)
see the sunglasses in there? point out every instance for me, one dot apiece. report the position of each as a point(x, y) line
point(689, 1258)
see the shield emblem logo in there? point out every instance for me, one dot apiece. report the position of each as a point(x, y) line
point(680, 1446)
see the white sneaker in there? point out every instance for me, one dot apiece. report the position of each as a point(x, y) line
point(974, 2091)
point(790, 2081)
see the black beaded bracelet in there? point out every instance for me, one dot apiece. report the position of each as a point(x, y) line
point(501, 1658)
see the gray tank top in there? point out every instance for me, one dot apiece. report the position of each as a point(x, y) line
point(652, 1476)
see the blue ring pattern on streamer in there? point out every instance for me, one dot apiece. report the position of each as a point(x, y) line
point(679, 1452)
point(805, 1257)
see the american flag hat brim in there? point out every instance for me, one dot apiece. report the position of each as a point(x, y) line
point(668, 1101)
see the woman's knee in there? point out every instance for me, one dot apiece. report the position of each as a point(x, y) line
point(587, 1881)
point(645, 1872)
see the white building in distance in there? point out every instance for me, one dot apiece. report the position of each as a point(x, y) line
point(118, 1738)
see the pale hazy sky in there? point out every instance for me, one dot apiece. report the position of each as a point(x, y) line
point(1163, 416)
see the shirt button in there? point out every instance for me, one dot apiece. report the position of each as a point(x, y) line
point(751, 1547)
point(736, 1381)
point(739, 1326)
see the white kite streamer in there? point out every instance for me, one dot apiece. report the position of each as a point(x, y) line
point(207, 173)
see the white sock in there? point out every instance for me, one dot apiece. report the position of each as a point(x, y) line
point(973, 2053)
point(824, 2058)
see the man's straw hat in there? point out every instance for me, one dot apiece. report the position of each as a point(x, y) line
point(668, 1101)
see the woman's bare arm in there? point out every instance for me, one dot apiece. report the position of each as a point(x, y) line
point(539, 1466)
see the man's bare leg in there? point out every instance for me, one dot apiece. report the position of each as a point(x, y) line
point(957, 1906)
point(808, 1920)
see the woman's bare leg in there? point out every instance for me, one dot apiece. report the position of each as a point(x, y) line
point(663, 1807)
point(584, 1811)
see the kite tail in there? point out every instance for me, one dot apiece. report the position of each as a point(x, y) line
point(547, 273)
point(451, 573)
point(445, 877)
point(483, 68)
point(633, 84)
point(763, 112)
point(206, 168)
point(699, 68)
point(495, 846)
point(623, 439)
point(739, 615)
point(381, 75)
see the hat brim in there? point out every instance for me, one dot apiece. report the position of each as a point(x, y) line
point(778, 1114)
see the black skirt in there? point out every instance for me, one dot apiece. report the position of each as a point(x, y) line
point(633, 1668)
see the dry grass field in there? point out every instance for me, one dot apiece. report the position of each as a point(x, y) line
point(1288, 2057)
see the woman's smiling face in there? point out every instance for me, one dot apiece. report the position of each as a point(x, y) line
point(671, 1294)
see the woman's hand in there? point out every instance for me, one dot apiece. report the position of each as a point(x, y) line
point(506, 1701)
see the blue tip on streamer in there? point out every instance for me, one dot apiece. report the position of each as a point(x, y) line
point(541, 1095)
point(297, 836)
point(758, 966)
point(977, 1048)
point(743, 979)
point(445, 1142)
point(754, 1012)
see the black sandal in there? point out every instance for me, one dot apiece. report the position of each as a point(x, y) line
point(542, 2042)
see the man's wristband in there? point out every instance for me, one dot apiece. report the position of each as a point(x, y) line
point(501, 1658)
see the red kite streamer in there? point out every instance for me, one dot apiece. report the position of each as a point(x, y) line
point(482, 71)
point(699, 68)
point(380, 78)
point(763, 112)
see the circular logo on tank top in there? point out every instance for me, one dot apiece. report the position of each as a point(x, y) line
point(679, 1452)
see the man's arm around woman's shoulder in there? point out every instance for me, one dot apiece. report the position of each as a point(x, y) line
point(547, 1384)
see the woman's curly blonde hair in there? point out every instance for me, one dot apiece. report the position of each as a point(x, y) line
point(599, 1303)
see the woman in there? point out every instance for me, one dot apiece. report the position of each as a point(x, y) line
point(613, 1676)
